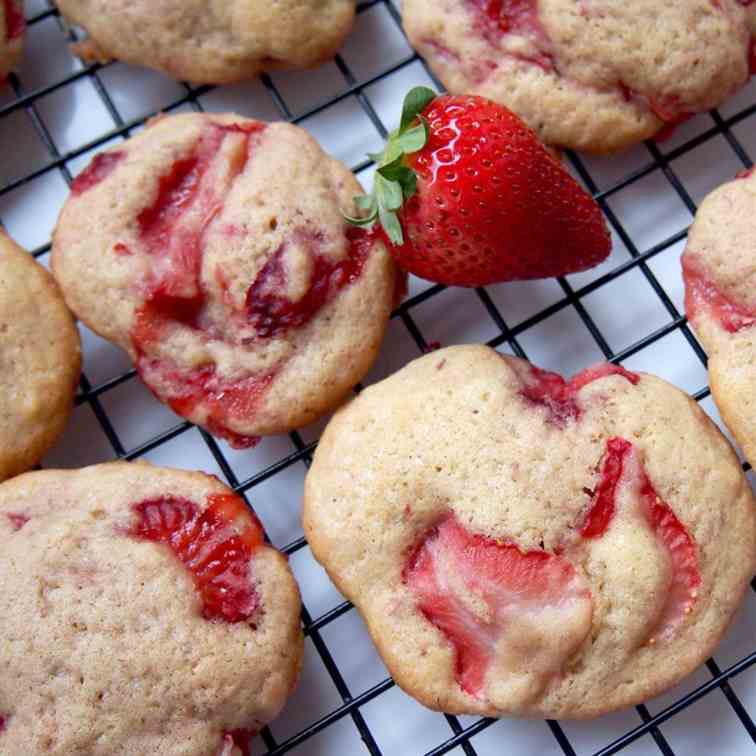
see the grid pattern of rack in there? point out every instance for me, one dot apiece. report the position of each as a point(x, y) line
point(648, 195)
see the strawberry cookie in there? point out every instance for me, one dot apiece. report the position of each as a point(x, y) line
point(522, 544)
point(595, 75)
point(141, 613)
point(719, 268)
point(40, 360)
point(12, 25)
point(212, 41)
point(212, 248)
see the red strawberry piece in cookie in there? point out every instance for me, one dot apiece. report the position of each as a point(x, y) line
point(559, 555)
point(146, 585)
point(558, 396)
point(197, 42)
point(593, 75)
point(12, 27)
point(474, 589)
point(468, 196)
point(719, 270)
point(216, 254)
point(209, 545)
point(669, 531)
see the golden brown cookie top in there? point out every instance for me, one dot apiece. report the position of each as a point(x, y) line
point(141, 613)
point(596, 75)
point(40, 360)
point(213, 249)
point(521, 544)
point(212, 41)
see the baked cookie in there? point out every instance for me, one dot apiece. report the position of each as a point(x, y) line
point(521, 544)
point(595, 75)
point(141, 613)
point(212, 248)
point(212, 41)
point(40, 360)
point(719, 268)
point(12, 26)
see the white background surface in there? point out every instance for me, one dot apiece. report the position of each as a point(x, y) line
point(624, 309)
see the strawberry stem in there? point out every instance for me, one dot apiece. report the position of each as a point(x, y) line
point(395, 182)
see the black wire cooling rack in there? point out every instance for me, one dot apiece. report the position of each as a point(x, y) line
point(462, 734)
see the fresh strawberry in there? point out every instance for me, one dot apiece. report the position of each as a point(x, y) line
point(467, 195)
point(471, 587)
point(214, 545)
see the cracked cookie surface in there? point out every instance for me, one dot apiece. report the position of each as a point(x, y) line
point(521, 544)
point(595, 75)
point(127, 583)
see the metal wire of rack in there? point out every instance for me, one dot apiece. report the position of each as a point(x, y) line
point(461, 732)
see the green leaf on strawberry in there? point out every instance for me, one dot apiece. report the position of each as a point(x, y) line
point(394, 181)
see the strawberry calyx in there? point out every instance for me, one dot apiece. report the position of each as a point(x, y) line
point(395, 182)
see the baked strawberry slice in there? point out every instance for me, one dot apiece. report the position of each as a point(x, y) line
point(486, 596)
point(672, 536)
point(215, 545)
point(604, 499)
point(467, 195)
point(15, 23)
point(683, 555)
point(703, 296)
point(236, 743)
point(559, 396)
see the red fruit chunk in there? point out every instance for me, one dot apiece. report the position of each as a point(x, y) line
point(2, 723)
point(604, 504)
point(492, 204)
point(17, 521)
point(686, 577)
point(214, 545)
point(670, 532)
point(499, 576)
point(703, 296)
point(500, 17)
point(176, 193)
point(559, 396)
point(672, 111)
point(15, 23)
point(239, 739)
point(185, 389)
point(272, 313)
point(98, 170)
point(172, 229)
